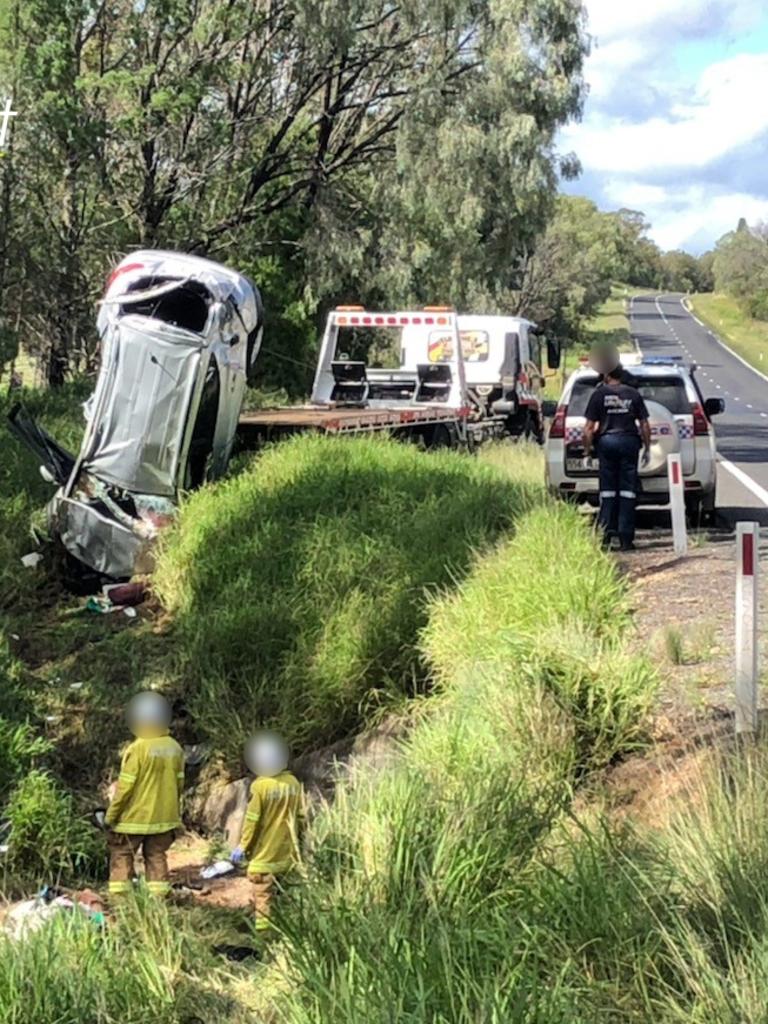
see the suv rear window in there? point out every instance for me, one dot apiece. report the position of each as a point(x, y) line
point(667, 391)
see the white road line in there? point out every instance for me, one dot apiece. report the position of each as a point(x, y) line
point(764, 415)
point(759, 492)
point(722, 344)
point(748, 405)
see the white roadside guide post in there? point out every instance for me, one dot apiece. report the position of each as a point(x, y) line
point(677, 503)
point(748, 565)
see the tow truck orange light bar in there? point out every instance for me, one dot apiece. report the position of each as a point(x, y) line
point(355, 316)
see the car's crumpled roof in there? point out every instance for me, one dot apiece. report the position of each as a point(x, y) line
point(221, 282)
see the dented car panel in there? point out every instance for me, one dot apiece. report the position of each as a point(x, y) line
point(179, 339)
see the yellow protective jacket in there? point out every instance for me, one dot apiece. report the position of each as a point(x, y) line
point(148, 796)
point(270, 838)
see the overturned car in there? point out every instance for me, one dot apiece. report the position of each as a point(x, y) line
point(180, 336)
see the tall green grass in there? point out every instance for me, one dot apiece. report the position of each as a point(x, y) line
point(146, 967)
point(298, 588)
point(414, 909)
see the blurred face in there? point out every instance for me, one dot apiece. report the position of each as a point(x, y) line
point(148, 713)
point(604, 358)
point(266, 754)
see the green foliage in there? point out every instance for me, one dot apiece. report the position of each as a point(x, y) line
point(48, 840)
point(146, 966)
point(741, 270)
point(23, 492)
point(681, 272)
point(400, 152)
point(20, 747)
point(297, 588)
point(423, 872)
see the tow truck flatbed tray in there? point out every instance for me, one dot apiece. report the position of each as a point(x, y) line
point(343, 418)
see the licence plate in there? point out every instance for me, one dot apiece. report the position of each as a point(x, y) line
point(574, 466)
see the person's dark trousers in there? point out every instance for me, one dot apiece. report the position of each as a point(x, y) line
point(618, 454)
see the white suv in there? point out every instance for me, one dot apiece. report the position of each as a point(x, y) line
point(680, 421)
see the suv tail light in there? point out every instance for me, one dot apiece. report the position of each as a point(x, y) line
point(700, 421)
point(557, 430)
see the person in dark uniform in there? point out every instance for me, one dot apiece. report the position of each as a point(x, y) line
point(617, 427)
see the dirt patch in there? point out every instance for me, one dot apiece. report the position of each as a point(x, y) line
point(684, 620)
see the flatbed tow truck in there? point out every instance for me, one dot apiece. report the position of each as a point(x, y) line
point(457, 380)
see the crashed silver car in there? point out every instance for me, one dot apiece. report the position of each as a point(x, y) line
point(180, 336)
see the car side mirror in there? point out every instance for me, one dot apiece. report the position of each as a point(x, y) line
point(553, 354)
point(714, 407)
point(548, 409)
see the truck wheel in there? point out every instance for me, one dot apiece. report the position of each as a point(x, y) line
point(441, 436)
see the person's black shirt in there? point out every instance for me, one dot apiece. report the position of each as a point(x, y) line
point(617, 408)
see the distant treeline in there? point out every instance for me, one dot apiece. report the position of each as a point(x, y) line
point(740, 266)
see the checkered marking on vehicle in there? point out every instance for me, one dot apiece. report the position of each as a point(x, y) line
point(685, 430)
point(573, 434)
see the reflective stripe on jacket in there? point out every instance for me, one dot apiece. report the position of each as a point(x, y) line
point(148, 796)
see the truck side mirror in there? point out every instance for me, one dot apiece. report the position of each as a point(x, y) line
point(553, 354)
point(714, 407)
point(548, 409)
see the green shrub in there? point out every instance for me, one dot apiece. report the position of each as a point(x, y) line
point(299, 587)
point(419, 906)
point(49, 841)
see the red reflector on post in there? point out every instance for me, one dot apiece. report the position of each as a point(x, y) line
point(676, 473)
point(378, 319)
point(748, 554)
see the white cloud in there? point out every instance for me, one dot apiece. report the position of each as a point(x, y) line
point(689, 217)
point(612, 19)
point(686, 147)
point(721, 115)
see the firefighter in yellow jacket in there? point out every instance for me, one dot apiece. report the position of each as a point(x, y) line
point(144, 813)
point(270, 836)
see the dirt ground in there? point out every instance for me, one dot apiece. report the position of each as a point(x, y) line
point(684, 611)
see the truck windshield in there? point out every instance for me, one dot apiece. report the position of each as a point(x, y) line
point(379, 347)
point(667, 391)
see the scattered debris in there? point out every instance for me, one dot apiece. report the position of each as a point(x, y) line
point(31, 560)
point(237, 954)
point(126, 593)
point(196, 753)
point(130, 612)
point(219, 867)
point(30, 915)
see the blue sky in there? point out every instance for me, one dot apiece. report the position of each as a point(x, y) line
point(676, 123)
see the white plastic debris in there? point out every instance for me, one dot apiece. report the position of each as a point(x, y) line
point(28, 916)
point(31, 560)
point(130, 612)
point(220, 867)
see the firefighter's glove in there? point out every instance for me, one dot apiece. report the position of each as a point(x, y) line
point(588, 463)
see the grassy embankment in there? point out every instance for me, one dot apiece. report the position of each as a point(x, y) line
point(747, 337)
point(456, 886)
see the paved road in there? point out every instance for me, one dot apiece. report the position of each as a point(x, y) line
point(662, 326)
